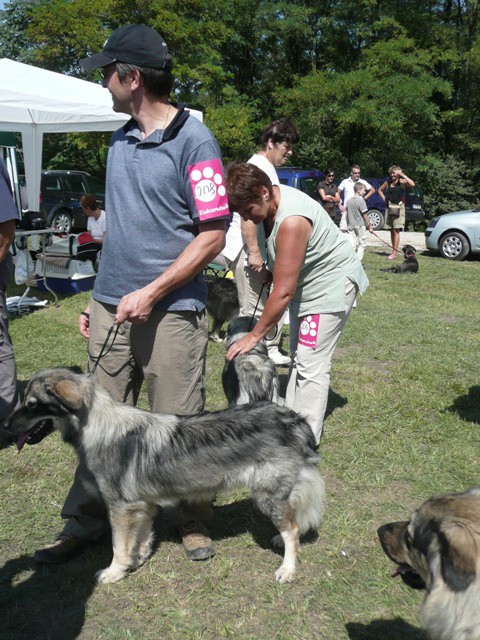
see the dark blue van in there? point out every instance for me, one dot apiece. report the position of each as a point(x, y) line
point(304, 179)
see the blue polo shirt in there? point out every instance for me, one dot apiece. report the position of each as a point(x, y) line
point(158, 190)
point(8, 211)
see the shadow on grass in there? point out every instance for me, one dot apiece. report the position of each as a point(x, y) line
point(468, 406)
point(396, 629)
point(47, 601)
point(335, 401)
point(229, 521)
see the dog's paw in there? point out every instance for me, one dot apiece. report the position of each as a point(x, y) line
point(110, 574)
point(284, 575)
point(277, 541)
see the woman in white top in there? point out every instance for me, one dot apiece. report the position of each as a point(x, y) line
point(278, 141)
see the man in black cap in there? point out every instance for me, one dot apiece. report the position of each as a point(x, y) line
point(166, 208)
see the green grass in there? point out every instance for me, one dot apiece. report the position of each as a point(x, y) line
point(403, 424)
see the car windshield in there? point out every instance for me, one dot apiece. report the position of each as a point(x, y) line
point(309, 186)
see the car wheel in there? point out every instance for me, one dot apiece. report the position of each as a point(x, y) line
point(376, 219)
point(454, 246)
point(62, 221)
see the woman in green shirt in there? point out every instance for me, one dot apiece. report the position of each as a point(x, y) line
point(315, 271)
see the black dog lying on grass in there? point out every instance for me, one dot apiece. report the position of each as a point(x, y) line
point(409, 265)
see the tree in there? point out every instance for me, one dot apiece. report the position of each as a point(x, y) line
point(382, 112)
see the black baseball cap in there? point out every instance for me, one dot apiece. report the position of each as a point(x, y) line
point(134, 44)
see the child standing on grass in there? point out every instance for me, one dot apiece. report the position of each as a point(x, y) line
point(357, 219)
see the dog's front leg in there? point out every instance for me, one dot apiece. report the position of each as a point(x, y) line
point(131, 536)
point(289, 538)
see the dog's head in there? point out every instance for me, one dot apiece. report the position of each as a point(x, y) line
point(409, 250)
point(238, 328)
point(440, 542)
point(54, 399)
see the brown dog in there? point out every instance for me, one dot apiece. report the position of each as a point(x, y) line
point(438, 549)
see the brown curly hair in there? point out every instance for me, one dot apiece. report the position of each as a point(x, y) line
point(244, 184)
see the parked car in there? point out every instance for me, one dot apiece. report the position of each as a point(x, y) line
point(414, 212)
point(304, 179)
point(60, 193)
point(454, 235)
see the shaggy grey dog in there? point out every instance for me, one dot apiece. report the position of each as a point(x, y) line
point(251, 377)
point(140, 460)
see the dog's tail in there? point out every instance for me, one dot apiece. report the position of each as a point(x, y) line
point(307, 498)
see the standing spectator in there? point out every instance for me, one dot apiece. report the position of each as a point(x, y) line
point(392, 191)
point(329, 194)
point(166, 209)
point(358, 220)
point(8, 375)
point(346, 186)
point(315, 271)
point(96, 224)
point(278, 140)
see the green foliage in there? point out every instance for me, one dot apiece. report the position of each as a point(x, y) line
point(84, 151)
point(367, 82)
point(447, 184)
point(382, 112)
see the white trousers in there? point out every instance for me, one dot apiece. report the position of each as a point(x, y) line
point(358, 238)
point(309, 376)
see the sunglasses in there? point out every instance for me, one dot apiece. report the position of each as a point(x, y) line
point(106, 72)
point(330, 175)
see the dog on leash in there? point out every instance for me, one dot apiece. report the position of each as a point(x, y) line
point(251, 377)
point(409, 265)
point(438, 549)
point(140, 460)
point(222, 303)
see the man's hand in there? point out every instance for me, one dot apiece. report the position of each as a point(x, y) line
point(135, 307)
point(84, 323)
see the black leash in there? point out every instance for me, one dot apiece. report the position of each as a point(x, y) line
point(256, 307)
point(255, 311)
point(103, 353)
point(389, 245)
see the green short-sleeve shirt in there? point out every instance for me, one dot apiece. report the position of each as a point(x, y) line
point(329, 259)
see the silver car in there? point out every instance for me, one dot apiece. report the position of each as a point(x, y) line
point(454, 235)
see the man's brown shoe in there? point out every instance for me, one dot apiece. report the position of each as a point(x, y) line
point(197, 544)
point(63, 549)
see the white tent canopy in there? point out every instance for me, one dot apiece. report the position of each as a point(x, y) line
point(34, 101)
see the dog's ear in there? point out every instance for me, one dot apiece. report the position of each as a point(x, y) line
point(75, 369)
point(459, 552)
point(66, 391)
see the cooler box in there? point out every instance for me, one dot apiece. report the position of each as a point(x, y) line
point(75, 277)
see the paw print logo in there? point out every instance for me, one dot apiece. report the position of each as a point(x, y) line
point(207, 182)
point(309, 326)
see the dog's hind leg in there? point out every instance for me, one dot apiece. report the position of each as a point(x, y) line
point(289, 538)
point(216, 327)
point(132, 539)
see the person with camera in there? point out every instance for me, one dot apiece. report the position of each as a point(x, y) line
point(393, 193)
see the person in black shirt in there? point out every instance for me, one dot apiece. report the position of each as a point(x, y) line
point(392, 191)
point(328, 194)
